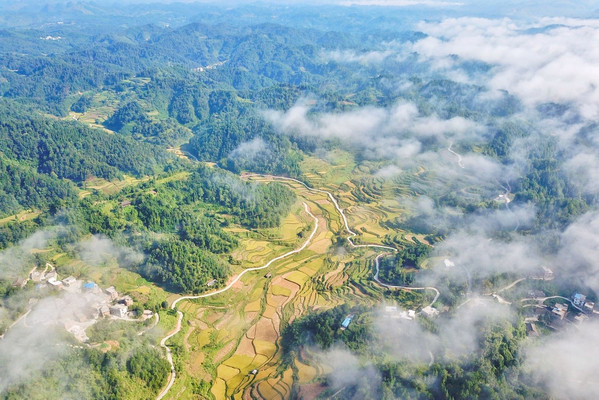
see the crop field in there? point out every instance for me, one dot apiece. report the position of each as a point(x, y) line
point(237, 332)
point(21, 216)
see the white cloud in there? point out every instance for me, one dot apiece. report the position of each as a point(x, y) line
point(566, 363)
point(351, 56)
point(556, 64)
point(392, 133)
point(249, 150)
point(579, 251)
point(98, 250)
point(388, 172)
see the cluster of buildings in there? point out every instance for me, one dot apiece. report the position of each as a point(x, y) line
point(580, 303)
point(84, 302)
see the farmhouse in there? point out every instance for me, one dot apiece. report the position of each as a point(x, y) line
point(589, 306)
point(119, 310)
point(430, 312)
point(126, 300)
point(36, 276)
point(104, 311)
point(51, 275)
point(112, 293)
point(531, 329)
point(70, 281)
point(579, 299)
point(560, 310)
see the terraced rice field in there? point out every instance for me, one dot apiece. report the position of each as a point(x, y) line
point(237, 332)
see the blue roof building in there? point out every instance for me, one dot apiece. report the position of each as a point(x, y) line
point(346, 322)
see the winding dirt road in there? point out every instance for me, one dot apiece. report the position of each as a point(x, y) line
point(457, 155)
point(169, 355)
point(351, 234)
point(376, 278)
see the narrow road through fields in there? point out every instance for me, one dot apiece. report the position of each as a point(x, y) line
point(352, 244)
point(376, 278)
point(457, 155)
point(229, 286)
point(238, 277)
point(339, 210)
point(351, 234)
point(169, 356)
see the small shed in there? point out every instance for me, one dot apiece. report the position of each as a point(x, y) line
point(346, 321)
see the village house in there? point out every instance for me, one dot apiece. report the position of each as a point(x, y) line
point(104, 311)
point(51, 275)
point(126, 300)
point(560, 310)
point(70, 281)
point(54, 283)
point(580, 318)
point(531, 329)
point(408, 315)
point(430, 312)
point(80, 316)
point(36, 276)
point(119, 310)
point(346, 322)
point(579, 299)
point(19, 282)
point(112, 293)
point(543, 273)
point(76, 330)
point(547, 273)
point(588, 306)
point(88, 287)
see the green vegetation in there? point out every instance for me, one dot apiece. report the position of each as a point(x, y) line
point(95, 111)
point(94, 374)
point(324, 329)
point(150, 367)
point(399, 268)
point(485, 373)
point(183, 266)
